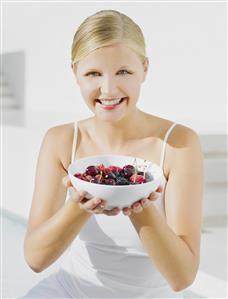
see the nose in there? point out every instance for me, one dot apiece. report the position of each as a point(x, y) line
point(108, 85)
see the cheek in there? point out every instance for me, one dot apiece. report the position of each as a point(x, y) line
point(132, 88)
point(88, 89)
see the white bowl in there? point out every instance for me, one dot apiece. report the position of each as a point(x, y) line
point(116, 195)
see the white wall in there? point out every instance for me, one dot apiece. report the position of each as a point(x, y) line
point(185, 44)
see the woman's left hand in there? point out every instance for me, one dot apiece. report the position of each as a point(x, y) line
point(143, 203)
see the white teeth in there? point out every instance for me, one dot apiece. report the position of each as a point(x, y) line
point(109, 103)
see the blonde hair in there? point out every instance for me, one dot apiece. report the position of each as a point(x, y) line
point(105, 28)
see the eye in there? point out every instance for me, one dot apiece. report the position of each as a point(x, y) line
point(92, 74)
point(96, 74)
point(124, 72)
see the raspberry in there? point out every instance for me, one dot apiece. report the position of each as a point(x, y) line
point(114, 168)
point(99, 178)
point(137, 179)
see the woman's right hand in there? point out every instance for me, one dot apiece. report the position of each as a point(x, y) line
point(94, 205)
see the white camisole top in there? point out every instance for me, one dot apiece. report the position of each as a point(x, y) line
point(107, 258)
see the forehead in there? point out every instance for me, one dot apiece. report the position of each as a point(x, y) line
point(110, 56)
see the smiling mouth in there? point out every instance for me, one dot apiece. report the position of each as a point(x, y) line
point(99, 101)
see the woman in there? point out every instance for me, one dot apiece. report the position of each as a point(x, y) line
point(148, 250)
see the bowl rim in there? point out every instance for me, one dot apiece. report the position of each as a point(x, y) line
point(113, 155)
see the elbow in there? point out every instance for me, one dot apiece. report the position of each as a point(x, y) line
point(34, 269)
point(32, 262)
point(182, 285)
point(34, 266)
point(186, 279)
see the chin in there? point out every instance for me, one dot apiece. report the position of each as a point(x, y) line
point(109, 119)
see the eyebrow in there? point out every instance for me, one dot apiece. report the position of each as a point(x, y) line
point(97, 69)
point(121, 67)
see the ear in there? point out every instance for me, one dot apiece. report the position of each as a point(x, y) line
point(74, 69)
point(73, 66)
point(145, 68)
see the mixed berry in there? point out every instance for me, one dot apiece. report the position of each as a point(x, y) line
point(115, 175)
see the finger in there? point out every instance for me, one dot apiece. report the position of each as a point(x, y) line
point(126, 211)
point(153, 196)
point(75, 195)
point(100, 207)
point(66, 181)
point(145, 202)
point(136, 207)
point(112, 212)
point(91, 204)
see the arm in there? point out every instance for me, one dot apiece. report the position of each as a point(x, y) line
point(52, 224)
point(174, 244)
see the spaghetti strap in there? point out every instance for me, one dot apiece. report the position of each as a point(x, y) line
point(164, 144)
point(72, 154)
point(74, 142)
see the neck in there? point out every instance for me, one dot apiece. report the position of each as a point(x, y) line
point(113, 135)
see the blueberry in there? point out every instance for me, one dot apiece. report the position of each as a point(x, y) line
point(149, 177)
point(122, 181)
point(110, 175)
point(119, 174)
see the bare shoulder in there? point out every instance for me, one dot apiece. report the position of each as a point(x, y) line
point(60, 131)
point(60, 138)
point(182, 136)
point(184, 144)
point(181, 139)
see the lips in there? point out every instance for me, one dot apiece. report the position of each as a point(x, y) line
point(110, 106)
